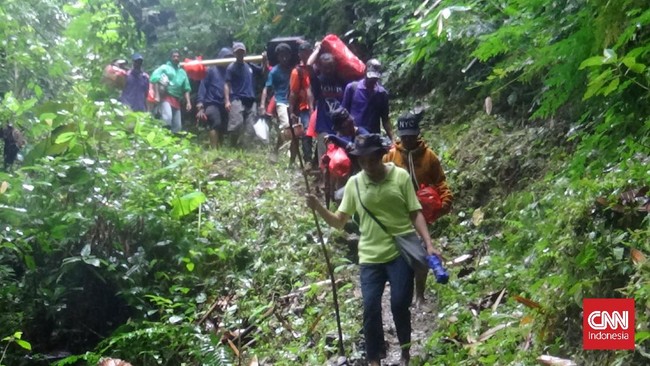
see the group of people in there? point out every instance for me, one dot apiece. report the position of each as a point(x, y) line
point(390, 168)
point(227, 102)
point(226, 99)
point(384, 190)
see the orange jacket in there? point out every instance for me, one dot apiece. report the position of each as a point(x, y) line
point(427, 169)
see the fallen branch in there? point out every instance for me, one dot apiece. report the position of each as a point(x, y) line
point(233, 347)
point(315, 323)
point(496, 303)
point(554, 361)
point(239, 335)
point(286, 324)
point(212, 308)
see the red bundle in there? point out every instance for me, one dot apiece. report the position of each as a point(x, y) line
point(195, 68)
point(348, 64)
point(151, 94)
point(114, 76)
point(311, 129)
point(270, 108)
point(431, 203)
point(337, 161)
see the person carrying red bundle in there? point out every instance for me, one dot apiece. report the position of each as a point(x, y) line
point(173, 85)
point(412, 154)
point(136, 86)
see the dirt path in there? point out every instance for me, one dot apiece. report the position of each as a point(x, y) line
point(422, 322)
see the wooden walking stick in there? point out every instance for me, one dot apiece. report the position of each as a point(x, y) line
point(330, 268)
point(328, 181)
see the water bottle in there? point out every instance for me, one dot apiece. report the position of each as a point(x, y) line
point(438, 270)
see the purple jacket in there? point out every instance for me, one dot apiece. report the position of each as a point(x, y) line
point(365, 108)
point(135, 91)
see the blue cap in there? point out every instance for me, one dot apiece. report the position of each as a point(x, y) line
point(137, 56)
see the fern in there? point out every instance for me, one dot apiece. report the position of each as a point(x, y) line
point(502, 41)
point(173, 344)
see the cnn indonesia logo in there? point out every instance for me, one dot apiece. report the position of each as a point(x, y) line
point(608, 324)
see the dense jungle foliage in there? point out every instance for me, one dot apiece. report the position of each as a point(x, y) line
point(118, 239)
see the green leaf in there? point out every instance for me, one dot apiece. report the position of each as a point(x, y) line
point(38, 90)
point(29, 262)
point(190, 266)
point(591, 61)
point(640, 337)
point(150, 137)
point(613, 85)
point(95, 262)
point(597, 83)
point(185, 205)
point(47, 117)
point(24, 344)
point(64, 137)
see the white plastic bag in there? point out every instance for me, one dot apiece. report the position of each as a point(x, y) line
point(262, 129)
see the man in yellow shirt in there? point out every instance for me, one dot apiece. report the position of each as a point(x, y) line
point(387, 192)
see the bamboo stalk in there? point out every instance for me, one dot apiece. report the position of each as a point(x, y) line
point(225, 61)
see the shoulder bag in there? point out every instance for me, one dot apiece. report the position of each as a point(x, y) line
point(409, 245)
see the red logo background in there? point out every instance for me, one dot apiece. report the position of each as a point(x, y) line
point(590, 335)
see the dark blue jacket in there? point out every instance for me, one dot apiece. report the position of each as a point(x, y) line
point(211, 88)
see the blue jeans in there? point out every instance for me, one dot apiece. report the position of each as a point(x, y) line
point(373, 280)
point(307, 154)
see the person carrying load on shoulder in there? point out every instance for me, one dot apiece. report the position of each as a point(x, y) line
point(344, 128)
point(172, 85)
point(340, 169)
point(327, 88)
point(240, 97)
point(211, 101)
point(381, 193)
point(301, 99)
point(423, 165)
point(278, 82)
point(367, 100)
point(136, 86)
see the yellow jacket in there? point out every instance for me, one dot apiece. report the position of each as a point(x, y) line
point(428, 170)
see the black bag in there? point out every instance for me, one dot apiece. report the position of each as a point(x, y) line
point(409, 245)
point(293, 42)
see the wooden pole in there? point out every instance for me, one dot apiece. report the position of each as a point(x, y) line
point(328, 262)
point(226, 61)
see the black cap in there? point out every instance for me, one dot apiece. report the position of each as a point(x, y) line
point(409, 124)
point(370, 143)
point(338, 116)
point(373, 69)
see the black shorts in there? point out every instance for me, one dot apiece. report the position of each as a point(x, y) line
point(217, 117)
